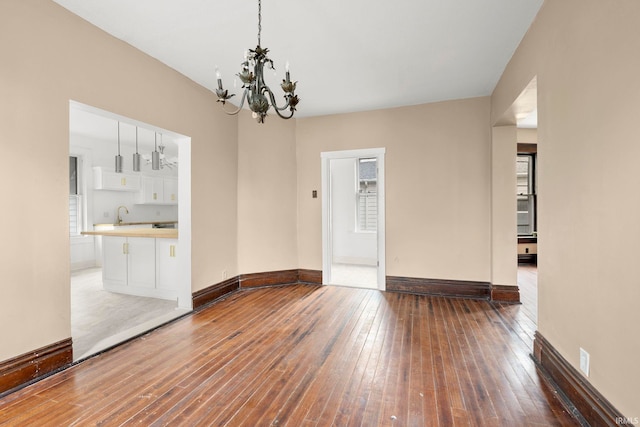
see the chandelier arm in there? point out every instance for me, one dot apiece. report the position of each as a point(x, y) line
point(283, 116)
point(273, 101)
point(236, 111)
point(275, 106)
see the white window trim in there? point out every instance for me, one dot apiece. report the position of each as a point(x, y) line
point(84, 156)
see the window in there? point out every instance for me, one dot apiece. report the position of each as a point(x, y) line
point(75, 202)
point(367, 195)
point(526, 193)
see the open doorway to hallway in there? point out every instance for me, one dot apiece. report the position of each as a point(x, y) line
point(528, 285)
point(526, 111)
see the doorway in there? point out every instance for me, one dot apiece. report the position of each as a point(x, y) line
point(353, 212)
point(526, 115)
point(103, 316)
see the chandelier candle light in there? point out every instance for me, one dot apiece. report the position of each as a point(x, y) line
point(256, 92)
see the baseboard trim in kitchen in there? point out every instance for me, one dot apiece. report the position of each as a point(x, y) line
point(34, 365)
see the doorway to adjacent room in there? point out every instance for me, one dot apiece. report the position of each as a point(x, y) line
point(155, 288)
point(353, 218)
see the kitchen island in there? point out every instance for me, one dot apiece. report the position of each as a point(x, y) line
point(140, 261)
point(159, 233)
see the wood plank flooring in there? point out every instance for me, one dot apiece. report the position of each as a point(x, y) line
point(308, 356)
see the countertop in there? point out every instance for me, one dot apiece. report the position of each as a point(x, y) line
point(136, 223)
point(159, 233)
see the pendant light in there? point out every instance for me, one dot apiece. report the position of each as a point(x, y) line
point(155, 156)
point(118, 156)
point(136, 155)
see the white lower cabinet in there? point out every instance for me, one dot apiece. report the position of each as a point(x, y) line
point(141, 262)
point(167, 264)
point(114, 262)
point(140, 266)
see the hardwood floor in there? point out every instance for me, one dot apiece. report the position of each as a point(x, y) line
point(304, 356)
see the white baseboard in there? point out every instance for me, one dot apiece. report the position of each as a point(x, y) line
point(83, 264)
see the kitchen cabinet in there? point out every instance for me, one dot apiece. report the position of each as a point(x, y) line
point(104, 179)
point(114, 262)
point(158, 191)
point(128, 263)
point(170, 191)
point(142, 266)
point(167, 264)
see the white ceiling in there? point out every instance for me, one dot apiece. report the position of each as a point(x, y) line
point(348, 56)
point(102, 126)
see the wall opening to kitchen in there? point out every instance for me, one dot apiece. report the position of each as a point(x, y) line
point(129, 231)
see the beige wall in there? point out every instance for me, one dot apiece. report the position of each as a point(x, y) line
point(50, 56)
point(438, 175)
point(267, 194)
point(528, 136)
point(504, 241)
point(584, 54)
point(438, 184)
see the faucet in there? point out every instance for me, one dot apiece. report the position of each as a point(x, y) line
point(119, 217)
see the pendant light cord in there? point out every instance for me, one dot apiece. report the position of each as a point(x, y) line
point(118, 138)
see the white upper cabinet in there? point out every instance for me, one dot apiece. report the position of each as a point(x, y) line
point(104, 179)
point(152, 190)
point(171, 191)
point(159, 191)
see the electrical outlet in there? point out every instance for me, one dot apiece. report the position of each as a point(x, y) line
point(224, 274)
point(105, 214)
point(584, 361)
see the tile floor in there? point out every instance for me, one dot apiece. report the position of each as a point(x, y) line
point(101, 319)
point(355, 276)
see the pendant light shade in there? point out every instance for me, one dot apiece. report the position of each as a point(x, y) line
point(155, 156)
point(118, 156)
point(136, 155)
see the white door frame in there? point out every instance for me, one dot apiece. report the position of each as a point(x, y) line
point(326, 158)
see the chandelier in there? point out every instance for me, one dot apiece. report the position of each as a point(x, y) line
point(256, 92)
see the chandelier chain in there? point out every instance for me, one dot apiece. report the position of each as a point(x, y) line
point(259, 20)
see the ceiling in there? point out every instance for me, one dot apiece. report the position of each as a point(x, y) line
point(348, 56)
point(102, 127)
